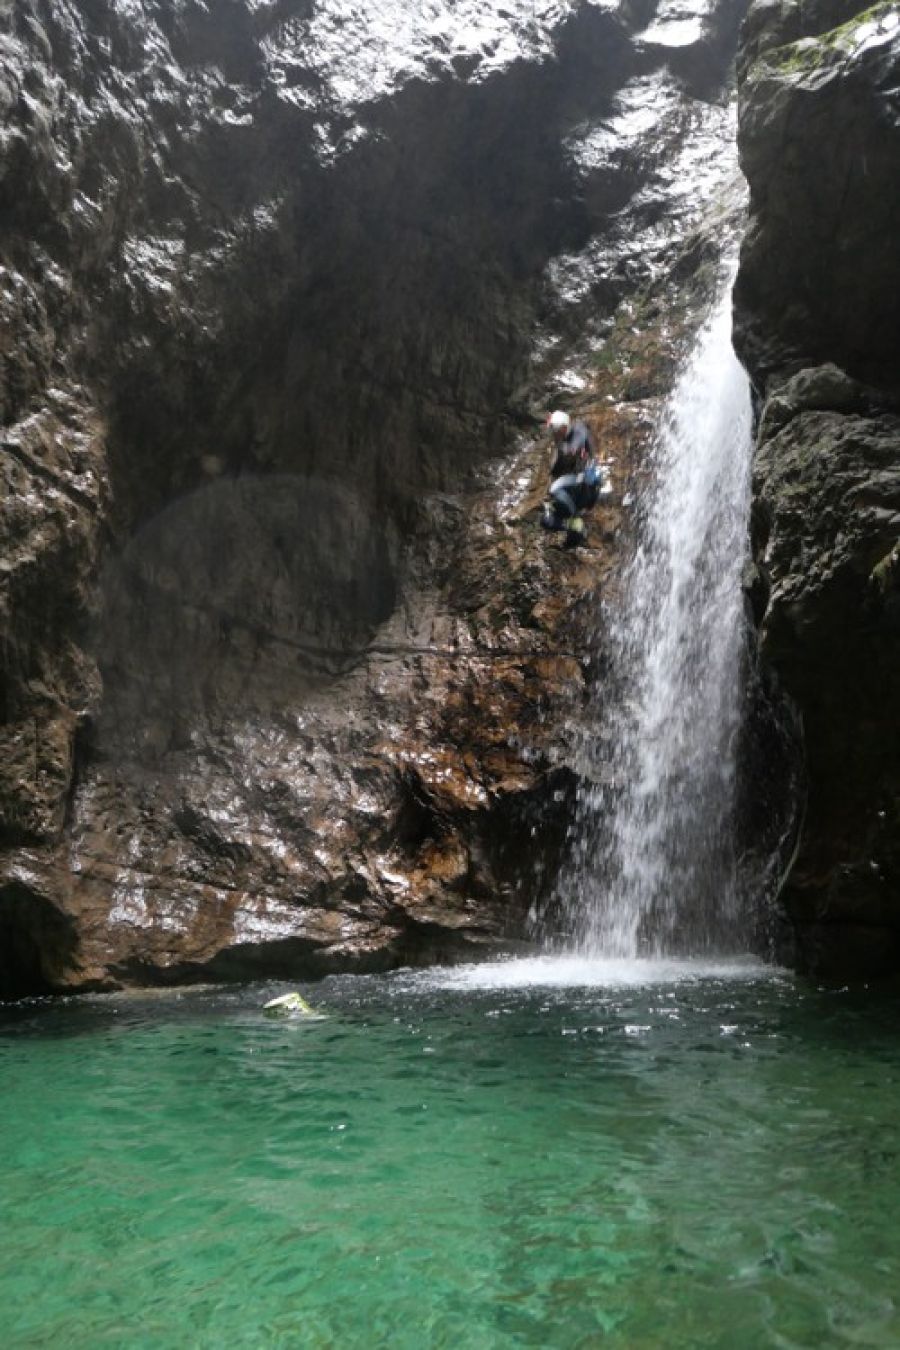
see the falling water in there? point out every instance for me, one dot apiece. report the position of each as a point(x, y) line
point(653, 866)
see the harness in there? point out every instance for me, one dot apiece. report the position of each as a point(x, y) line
point(575, 452)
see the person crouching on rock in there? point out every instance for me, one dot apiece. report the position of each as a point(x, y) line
point(575, 477)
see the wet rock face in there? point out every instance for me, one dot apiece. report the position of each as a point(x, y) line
point(820, 140)
point(53, 492)
point(284, 684)
point(818, 318)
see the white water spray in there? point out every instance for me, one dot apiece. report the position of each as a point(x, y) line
point(653, 867)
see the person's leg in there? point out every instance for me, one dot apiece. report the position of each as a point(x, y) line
point(562, 494)
point(576, 532)
point(586, 496)
point(580, 494)
point(561, 506)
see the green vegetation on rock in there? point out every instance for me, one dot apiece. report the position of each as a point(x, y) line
point(812, 53)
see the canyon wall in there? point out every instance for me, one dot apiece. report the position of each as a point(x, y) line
point(287, 666)
point(817, 320)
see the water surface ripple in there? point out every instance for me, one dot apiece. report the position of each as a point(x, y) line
point(536, 1154)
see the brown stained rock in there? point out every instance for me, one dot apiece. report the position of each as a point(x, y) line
point(53, 464)
point(37, 751)
point(409, 808)
point(283, 810)
point(358, 849)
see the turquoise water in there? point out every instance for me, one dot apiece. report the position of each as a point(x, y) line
point(538, 1154)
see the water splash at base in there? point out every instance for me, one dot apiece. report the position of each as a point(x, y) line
point(581, 972)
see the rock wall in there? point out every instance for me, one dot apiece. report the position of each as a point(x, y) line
point(286, 662)
point(817, 319)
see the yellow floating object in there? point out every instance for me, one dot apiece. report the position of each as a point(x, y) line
point(287, 1004)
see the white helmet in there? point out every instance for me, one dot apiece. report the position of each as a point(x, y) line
point(559, 421)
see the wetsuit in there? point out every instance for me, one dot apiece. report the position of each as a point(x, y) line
point(569, 492)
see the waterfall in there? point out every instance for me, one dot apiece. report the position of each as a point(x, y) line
point(652, 869)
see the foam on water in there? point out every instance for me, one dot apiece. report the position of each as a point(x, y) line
point(565, 972)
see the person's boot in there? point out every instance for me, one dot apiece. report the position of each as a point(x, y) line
point(576, 532)
point(550, 520)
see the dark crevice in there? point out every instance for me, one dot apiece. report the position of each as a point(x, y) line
point(38, 943)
